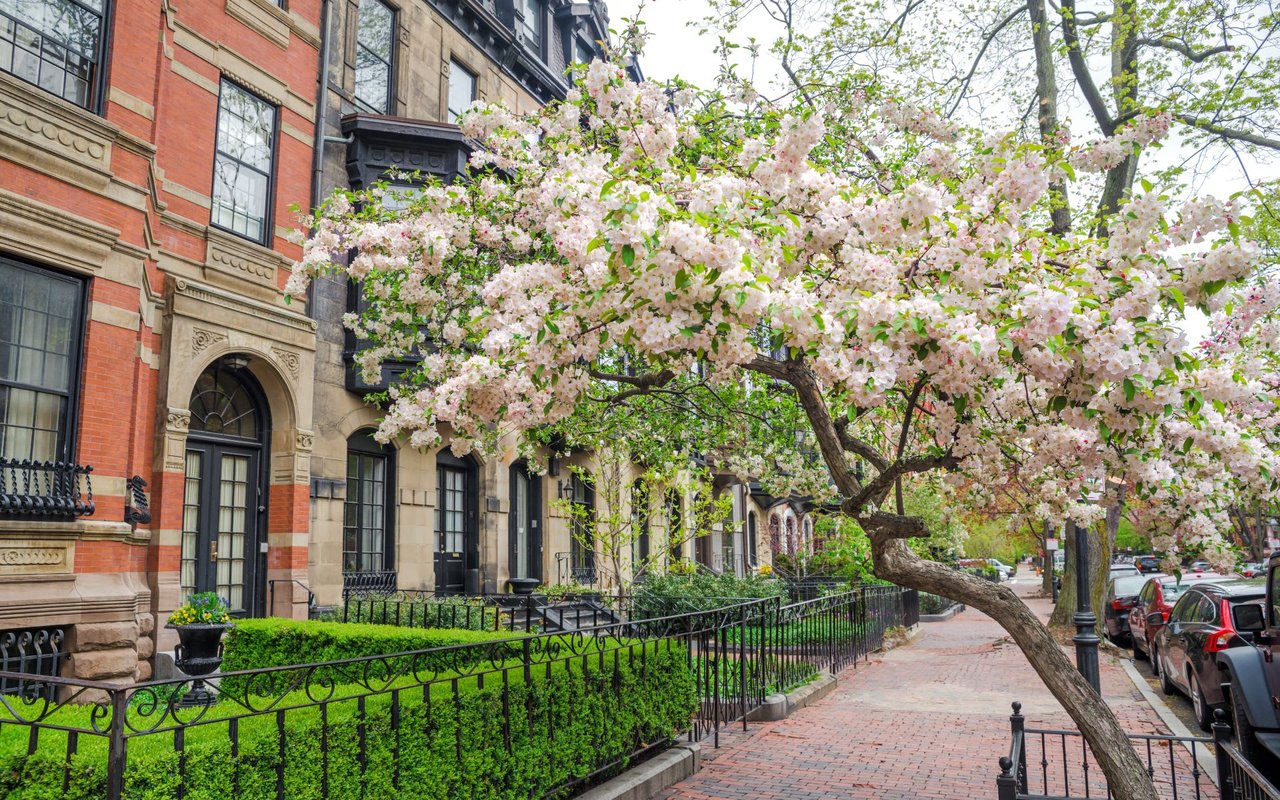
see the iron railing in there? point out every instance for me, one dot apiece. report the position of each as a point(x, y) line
point(34, 651)
point(370, 582)
point(345, 717)
point(1057, 764)
point(45, 489)
point(569, 572)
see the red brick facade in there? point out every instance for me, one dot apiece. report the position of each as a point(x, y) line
point(119, 194)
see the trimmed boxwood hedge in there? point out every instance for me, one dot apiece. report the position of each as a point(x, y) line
point(567, 722)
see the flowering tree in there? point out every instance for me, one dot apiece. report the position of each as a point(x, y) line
point(739, 271)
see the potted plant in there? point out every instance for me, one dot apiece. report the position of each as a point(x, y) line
point(200, 623)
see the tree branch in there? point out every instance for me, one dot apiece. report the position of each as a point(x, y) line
point(1179, 46)
point(642, 384)
point(880, 484)
point(987, 39)
point(1224, 132)
point(1071, 35)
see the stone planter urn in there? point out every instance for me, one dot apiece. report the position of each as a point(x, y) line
point(523, 586)
point(199, 653)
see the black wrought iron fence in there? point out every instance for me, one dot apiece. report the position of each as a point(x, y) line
point(33, 651)
point(1057, 764)
point(530, 716)
point(45, 488)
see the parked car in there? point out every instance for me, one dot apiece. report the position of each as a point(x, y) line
point(1199, 566)
point(1157, 597)
point(1122, 593)
point(1252, 678)
point(1253, 570)
point(1147, 564)
point(1208, 619)
point(1006, 571)
point(1122, 571)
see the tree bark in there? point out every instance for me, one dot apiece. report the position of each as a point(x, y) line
point(1126, 776)
point(1047, 110)
point(1047, 572)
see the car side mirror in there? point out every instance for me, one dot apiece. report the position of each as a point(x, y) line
point(1155, 618)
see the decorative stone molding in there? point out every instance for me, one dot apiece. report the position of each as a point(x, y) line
point(244, 305)
point(53, 135)
point(268, 20)
point(288, 359)
point(239, 258)
point(50, 235)
point(305, 440)
point(35, 557)
point(178, 420)
point(201, 340)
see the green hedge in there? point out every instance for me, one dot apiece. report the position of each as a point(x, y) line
point(261, 643)
point(664, 595)
point(566, 724)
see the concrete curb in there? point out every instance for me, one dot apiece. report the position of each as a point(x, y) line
point(1207, 763)
point(645, 780)
point(944, 616)
point(780, 706)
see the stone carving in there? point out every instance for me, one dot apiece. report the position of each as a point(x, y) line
point(25, 123)
point(241, 264)
point(178, 420)
point(31, 557)
point(287, 358)
point(202, 339)
point(305, 440)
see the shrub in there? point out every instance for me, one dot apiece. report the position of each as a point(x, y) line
point(567, 721)
point(663, 595)
point(272, 642)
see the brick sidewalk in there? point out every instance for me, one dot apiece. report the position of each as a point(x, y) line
point(926, 720)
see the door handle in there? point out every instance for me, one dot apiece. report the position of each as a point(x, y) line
point(213, 551)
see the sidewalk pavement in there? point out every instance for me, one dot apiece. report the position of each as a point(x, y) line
point(926, 720)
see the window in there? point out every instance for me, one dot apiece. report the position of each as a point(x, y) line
point(752, 536)
point(531, 23)
point(40, 336)
point(462, 90)
point(582, 549)
point(639, 526)
point(375, 45)
point(55, 44)
point(243, 163)
point(367, 530)
point(583, 53)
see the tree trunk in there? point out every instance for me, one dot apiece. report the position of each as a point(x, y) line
point(1047, 572)
point(1047, 110)
point(1126, 776)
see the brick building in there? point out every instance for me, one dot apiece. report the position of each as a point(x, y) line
point(149, 154)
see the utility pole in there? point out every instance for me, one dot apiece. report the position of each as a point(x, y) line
point(1085, 620)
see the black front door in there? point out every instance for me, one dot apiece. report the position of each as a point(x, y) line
point(220, 530)
point(224, 494)
point(457, 533)
point(525, 528)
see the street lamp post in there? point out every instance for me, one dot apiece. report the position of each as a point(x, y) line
point(1085, 620)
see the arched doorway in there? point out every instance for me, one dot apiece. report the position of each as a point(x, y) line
point(224, 499)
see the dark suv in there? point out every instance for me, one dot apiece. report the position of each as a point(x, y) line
point(1147, 564)
point(1252, 680)
point(1208, 619)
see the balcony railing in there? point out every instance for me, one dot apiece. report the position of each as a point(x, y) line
point(51, 489)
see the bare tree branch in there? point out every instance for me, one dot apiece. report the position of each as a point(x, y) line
point(1179, 46)
point(1224, 132)
point(1071, 35)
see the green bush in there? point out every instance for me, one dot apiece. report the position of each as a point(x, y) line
point(567, 721)
point(663, 595)
point(271, 642)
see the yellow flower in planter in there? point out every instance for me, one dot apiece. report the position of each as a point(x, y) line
point(765, 569)
point(204, 608)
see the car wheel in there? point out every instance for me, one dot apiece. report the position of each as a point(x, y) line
point(1154, 655)
point(1203, 711)
point(1166, 685)
point(1245, 740)
point(1138, 653)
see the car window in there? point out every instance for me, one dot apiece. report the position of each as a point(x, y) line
point(1173, 591)
point(1206, 610)
point(1247, 616)
point(1148, 592)
point(1126, 585)
point(1183, 610)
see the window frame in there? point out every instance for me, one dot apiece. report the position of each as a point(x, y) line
point(360, 105)
point(361, 443)
point(268, 222)
point(454, 61)
point(539, 43)
point(97, 89)
point(67, 446)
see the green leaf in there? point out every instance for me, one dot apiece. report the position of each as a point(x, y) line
point(1129, 390)
point(1058, 403)
point(628, 255)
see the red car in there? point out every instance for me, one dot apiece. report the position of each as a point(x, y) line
point(1158, 596)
